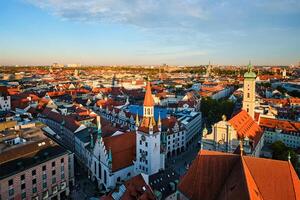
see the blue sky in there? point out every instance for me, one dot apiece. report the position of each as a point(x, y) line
point(176, 32)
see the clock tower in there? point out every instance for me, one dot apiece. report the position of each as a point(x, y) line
point(148, 144)
point(249, 91)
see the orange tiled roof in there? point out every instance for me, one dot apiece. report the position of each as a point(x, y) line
point(284, 125)
point(148, 101)
point(217, 175)
point(134, 190)
point(245, 126)
point(123, 149)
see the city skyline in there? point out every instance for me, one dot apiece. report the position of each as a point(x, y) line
point(149, 32)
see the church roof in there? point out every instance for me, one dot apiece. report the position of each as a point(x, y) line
point(250, 73)
point(217, 175)
point(245, 126)
point(123, 149)
point(148, 100)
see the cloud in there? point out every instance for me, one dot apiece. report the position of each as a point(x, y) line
point(143, 13)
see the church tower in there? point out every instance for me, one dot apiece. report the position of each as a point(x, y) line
point(249, 91)
point(148, 144)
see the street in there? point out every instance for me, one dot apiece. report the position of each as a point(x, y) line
point(178, 163)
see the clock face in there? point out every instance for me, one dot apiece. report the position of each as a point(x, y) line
point(143, 138)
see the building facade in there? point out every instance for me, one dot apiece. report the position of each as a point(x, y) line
point(249, 91)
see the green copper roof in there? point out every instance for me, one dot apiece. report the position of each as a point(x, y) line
point(250, 73)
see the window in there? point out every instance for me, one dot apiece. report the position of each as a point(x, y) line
point(53, 180)
point(140, 142)
point(62, 176)
point(118, 179)
point(100, 171)
point(23, 186)
point(11, 192)
point(33, 181)
point(53, 172)
point(62, 160)
point(34, 190)
point(62, 168)
point(44, 176)
point(129, 174)
point(10, 182)
point(22, 177)
point(105, 177)
point(44, 185)
point(248, 95)
point(146, 144)
point(53, 164)
point(33, 172)
point(23, 195)
point(44, 168)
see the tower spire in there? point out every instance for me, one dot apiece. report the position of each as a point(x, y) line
point(250, 67)
point(137, 121)
point(148, 100)
point(99, 130)
point(241, 146)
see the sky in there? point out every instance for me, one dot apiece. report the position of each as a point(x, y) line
point(149, 32)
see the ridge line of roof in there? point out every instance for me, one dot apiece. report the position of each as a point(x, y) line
point(292, 179)
point(227, 177)
point(243, 161)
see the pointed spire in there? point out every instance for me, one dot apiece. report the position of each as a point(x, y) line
point(159, 120)
point(137, 121)
point(151, 123)
point(241, 147)
point(99, 130)
point(250, 67)
point(148, 101)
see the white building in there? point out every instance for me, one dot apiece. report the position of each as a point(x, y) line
point(5, 103)
point(119, 157)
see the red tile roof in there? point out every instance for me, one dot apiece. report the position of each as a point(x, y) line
point(217, 175)
point(284, 125)
point(123, 149)
point(245, 126)
point(148, 101)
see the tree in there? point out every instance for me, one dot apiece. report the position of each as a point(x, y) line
point(213, 109)
point(282, 152)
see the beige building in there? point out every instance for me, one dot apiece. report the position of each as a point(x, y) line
point(249, 91)
point(227, 135)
